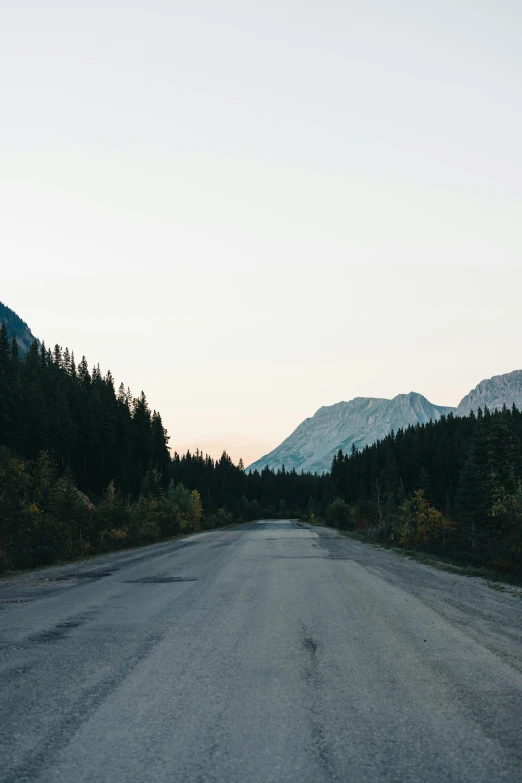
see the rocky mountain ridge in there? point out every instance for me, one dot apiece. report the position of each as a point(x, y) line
point(364, 420)
point(494, 392)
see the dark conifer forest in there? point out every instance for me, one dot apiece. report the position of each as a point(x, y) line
point(453, 486)
point(86, 467)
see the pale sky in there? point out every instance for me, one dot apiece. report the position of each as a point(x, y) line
point(250, 210)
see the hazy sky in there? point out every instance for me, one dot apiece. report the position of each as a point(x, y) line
point(250, 210)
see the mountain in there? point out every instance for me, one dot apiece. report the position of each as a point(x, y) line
point(364, 420)
point(494, 392)
point(361, 421)
point(16, 328)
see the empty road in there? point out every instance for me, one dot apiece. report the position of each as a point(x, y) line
point(271, 651)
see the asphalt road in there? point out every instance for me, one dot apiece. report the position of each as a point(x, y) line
point(265, 652)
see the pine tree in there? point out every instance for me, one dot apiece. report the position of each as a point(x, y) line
point(15, 358)
point(4, 349)
point(83, 373)
point(66, 361)
point(57, 355)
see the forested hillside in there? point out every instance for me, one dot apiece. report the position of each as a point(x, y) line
point(453, 486)
point(85, 467)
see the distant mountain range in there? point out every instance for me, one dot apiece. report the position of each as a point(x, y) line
point(364, 420)
point(16, 328)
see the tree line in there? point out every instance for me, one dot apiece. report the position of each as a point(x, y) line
point(453, 486)
point(86, 467)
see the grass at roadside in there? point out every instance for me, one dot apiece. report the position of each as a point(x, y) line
point(97, 555)
point(454, 567)
point(495, 579)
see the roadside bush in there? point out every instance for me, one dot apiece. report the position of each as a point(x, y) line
point(221, 519)
point(116, 537)
point(418, 524)
point(339, 514)
point(5, 563)
point(284, 512)
point(507, 512)
point(250, 510)
point(44, 555)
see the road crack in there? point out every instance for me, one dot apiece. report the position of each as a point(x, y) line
point(314, 688)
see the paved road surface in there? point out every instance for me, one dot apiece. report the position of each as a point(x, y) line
point(266, 652)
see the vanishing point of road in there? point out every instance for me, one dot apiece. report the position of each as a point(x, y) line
point(262, 653)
